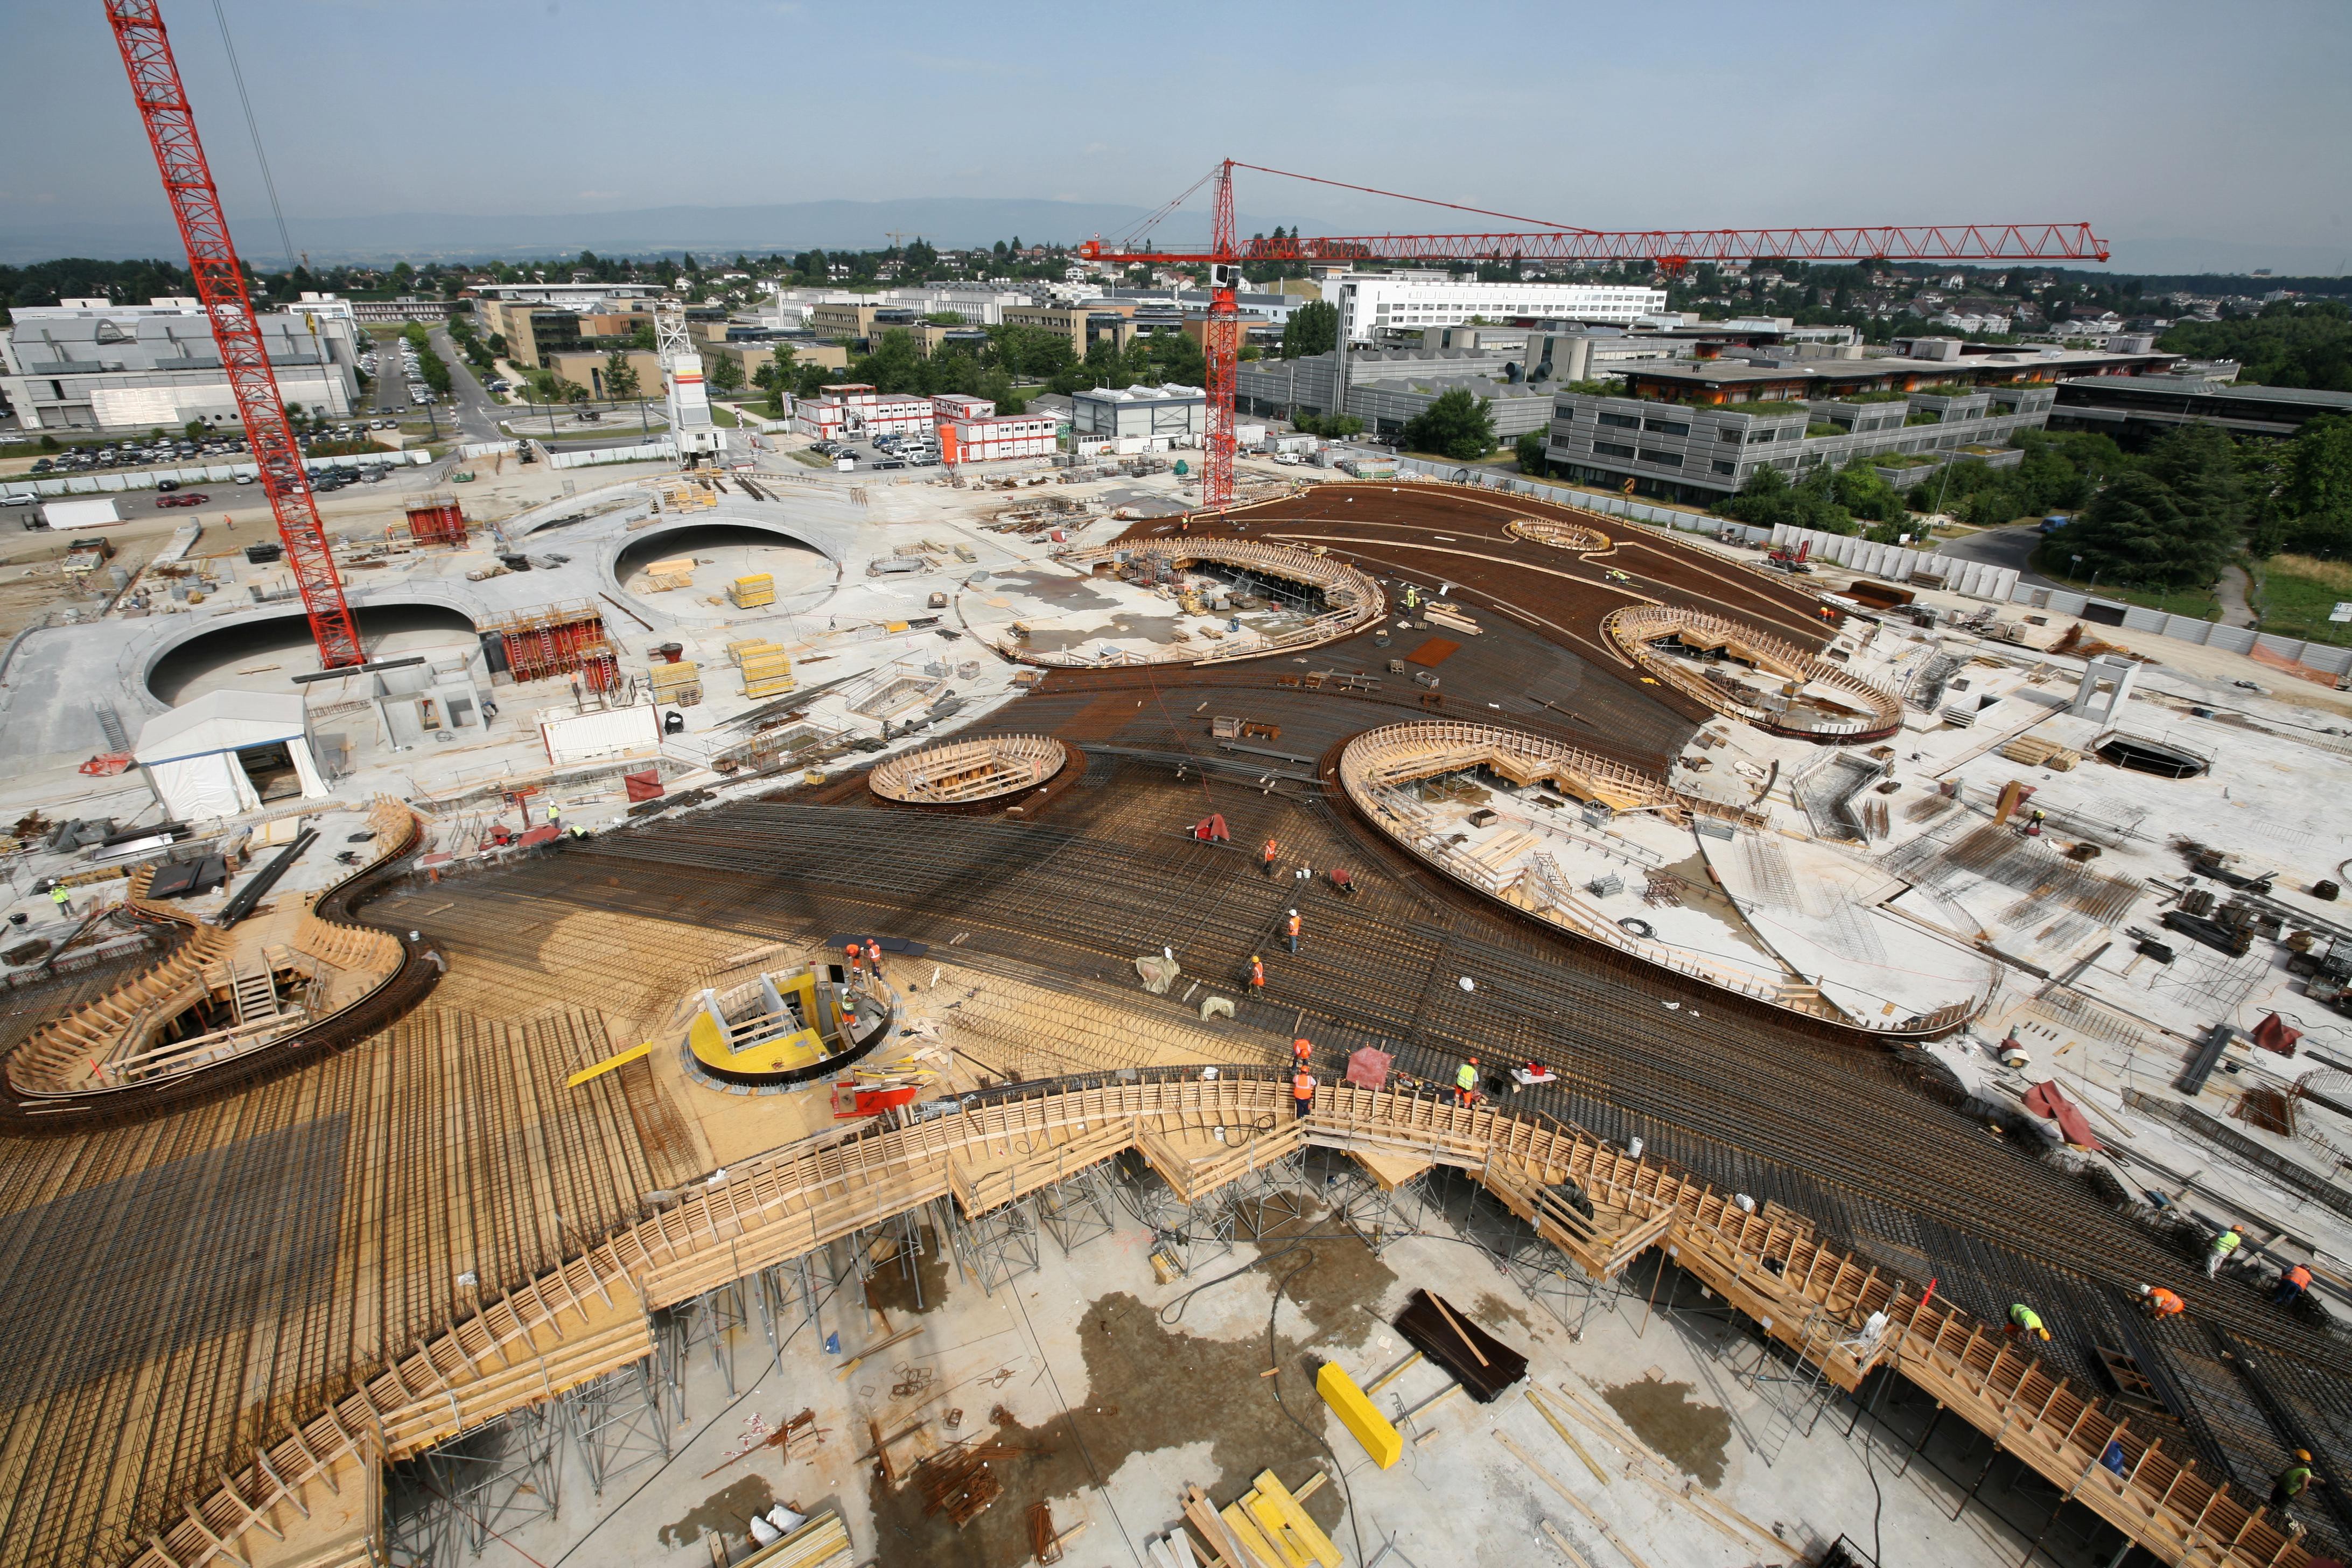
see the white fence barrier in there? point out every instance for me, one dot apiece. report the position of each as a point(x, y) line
point(651, 451)
point(1975, 579)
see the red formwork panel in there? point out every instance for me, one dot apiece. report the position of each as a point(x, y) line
point(437, 520)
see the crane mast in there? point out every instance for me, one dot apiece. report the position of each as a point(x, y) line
point(220, 285)
point(685, 399)
point(1670, 249)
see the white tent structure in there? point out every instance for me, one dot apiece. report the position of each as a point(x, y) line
point(228, 752)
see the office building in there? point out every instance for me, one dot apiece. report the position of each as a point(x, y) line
point(1515, 370)
point(2151, 405)
point(92, 365)
point(1370, 303)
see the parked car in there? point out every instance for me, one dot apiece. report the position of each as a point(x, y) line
point(167, 484)
point(185, 497)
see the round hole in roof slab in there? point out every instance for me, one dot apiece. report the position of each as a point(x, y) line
point(264, 653)
point(721, 552)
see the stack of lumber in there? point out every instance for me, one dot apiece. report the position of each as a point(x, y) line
point(767, 668)
point(2040, 753)
point(681, 683)
point(1450, 616)
point(677, 572)
point(1266, 1528)
point(750, 592)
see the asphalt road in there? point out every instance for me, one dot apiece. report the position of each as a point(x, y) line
point(2008, 547)
point(475, 414)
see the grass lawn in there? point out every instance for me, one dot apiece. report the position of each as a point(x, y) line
point(2295, 593)
point(2197, 602)
point(723, 415)
point(814, 459)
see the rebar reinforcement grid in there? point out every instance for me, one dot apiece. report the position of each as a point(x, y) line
point(1830, 1130)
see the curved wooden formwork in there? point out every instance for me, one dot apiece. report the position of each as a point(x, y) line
point(958, 773)
point(305, 1497)
point(1862, 711)
point(1352, 598)
point(1562, 534)
point(115, 1054)
point(1376, 766)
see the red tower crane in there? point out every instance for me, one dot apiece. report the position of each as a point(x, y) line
point(1671, 249)
point(220, 284)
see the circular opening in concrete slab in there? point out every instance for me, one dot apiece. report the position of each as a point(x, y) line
point(265, 655)
point(720, 553)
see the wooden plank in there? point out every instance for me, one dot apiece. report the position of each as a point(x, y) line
point(1319, 1545)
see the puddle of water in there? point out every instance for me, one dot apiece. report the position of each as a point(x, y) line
point(1664, 1415)
point(728, 1511)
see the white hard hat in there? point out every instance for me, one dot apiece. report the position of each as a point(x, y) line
point(1293, 911)
point(2142, 1289)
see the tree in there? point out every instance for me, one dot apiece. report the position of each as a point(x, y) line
point(1332, 427)
point(2200, 464)
point(2136, 530)
point(778, 373)
point(1458, 424)
point(726, 374)
point(1531, 451)
point(620, 376)
point(1859, 489)
point(2317, 497)
point(1313, 328)
point(641, 336)
point(1767, 500)
point(196, 431)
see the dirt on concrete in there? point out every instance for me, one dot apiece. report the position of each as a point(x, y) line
point(916, 1285)
point(1663, 1415)
point(1151, 1386)
point(1492, 1310)
point(727, 1511)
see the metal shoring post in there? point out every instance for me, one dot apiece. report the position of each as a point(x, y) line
point(1281, 1189)
point(1078, 1208)
point(1001, 1246)
point(616, 1420)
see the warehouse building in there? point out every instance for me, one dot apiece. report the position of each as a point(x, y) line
point(1161, 418)
point(91, 364)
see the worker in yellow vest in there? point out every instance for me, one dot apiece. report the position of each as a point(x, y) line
point(2225, 1247)
point(1466, 1081)
point(2024, 1319)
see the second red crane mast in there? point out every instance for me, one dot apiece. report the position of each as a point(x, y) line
point(220, 284)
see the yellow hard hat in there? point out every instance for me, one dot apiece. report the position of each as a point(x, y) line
point(2043, 1332)
point(2304, 1454)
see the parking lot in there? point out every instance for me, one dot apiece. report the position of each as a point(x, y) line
point(881, 452)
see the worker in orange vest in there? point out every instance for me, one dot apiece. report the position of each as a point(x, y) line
point(2292, 1284)
point(1272, 849)
point(1302, 1092)
point(1301, 1052)
point(2158, 1302)
point(1258, 975)
point(1290, 929)
point(855, 958)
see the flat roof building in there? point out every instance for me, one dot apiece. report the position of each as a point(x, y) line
point(2153, 403)
point(91, 364)
point(1160, 416)
point(1372, 302)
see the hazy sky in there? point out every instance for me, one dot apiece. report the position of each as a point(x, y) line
point(2225, 124)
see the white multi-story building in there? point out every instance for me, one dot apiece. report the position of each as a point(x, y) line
point(97, 365)
point(1372, 302)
